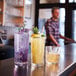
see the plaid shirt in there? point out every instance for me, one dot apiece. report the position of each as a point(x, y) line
point(52, 28)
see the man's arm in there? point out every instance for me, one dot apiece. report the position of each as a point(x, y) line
point(68, 39)
point(54, 40)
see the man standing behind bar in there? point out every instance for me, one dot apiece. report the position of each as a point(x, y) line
point(52, 29)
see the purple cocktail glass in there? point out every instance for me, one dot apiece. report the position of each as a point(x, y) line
point(21, 45)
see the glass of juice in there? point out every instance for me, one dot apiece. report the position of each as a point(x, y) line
point(52, 54)
point(37, 50)
point(21, 46)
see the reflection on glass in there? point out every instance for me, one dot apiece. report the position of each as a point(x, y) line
point(52, 70)
point(38, 72)
point(20, 71)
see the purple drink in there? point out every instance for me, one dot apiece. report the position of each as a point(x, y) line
point(21, 47)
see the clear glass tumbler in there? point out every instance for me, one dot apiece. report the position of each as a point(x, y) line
point(52, 54)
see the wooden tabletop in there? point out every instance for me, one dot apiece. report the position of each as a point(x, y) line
point(67, 57)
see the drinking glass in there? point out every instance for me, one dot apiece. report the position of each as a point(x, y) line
point(37, 50)
point(21, 45)
point(52, 54)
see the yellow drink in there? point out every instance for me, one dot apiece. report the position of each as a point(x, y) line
point(53, 57)
point(37, 49)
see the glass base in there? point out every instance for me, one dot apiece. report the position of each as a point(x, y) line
point(21, 63)
point(49, 63)
point(37, 65)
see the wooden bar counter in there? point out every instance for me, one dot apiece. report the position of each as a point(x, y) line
point(67, 57)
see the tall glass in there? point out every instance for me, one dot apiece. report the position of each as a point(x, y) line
point(37, 50)
point(21, 45)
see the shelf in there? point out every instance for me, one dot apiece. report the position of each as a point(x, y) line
point(18, 6)
point(13, 13)
point(15, 6)
point(14, 16)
